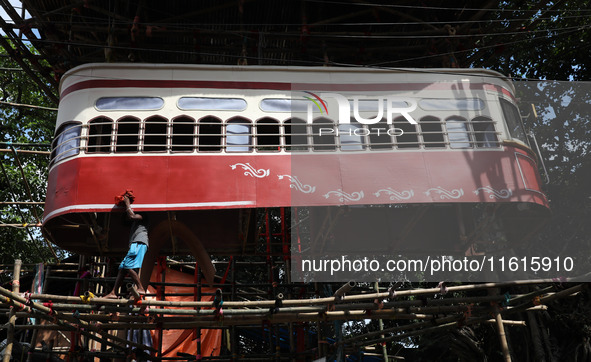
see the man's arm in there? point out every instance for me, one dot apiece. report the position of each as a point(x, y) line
point(130, 213)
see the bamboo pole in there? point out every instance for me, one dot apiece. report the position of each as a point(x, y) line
point(35, 332)
point(301, 302)
point(381, 324)
point(506, 322)
point(22, 203)
point(502, 335)
point(391, 307)
point(7, 150)
point(12, 316)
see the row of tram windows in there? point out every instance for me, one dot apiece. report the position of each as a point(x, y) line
point(210, 134)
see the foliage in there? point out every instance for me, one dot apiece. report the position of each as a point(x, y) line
point(22, 125)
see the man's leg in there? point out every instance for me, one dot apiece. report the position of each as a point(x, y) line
point(118, 281)
point(136, 280)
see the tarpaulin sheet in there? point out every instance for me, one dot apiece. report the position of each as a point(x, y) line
point(178, 340)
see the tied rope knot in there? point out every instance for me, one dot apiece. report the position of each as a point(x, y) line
point(87, 297)
point(27, 297)
point(442, 288)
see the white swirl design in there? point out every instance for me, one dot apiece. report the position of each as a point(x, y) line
point(396, 195)
point(354, 196)
point(494, 194)
point(298, 185)
point(445, 194)
point(251, 171)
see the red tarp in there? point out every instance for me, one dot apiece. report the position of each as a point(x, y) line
point(178, 340)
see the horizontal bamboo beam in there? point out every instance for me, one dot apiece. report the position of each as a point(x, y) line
point(22, 203)
point(30, 152)
point(302, 302)
point(31, 225)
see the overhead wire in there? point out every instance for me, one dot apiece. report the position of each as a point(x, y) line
point(183, 26)
point(399, 6)
point(557, 33)
point(473, 49)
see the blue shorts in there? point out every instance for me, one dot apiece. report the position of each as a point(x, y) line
point(134, 257)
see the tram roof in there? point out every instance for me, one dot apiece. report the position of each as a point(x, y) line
point(276, 74)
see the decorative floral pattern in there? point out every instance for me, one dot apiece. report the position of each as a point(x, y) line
point(297, 184)
point(392, 194)
point(251, 171)
point(494, 194)
point(354, 196)
point(396, 195)
point(445, 194)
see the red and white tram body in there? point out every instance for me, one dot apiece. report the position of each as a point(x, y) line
point(202, 144)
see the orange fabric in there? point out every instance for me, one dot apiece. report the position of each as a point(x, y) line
point(128, 193)
point(178, 340)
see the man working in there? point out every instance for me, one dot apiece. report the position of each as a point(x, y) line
point(138, 245)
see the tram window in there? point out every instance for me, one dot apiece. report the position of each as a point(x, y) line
point(285, 105)
point(129, 103)
point(238, 135)
point(323, 135)
point(457, 133)
point(467, 104)
point(66, 142)
point(409, 137)
point(352, 136)
point(296, 135)
point(211, 104)
point(432, 132)
point(155, 129)
point(183, 134)
point(513, 119)
point(209, 135)
point(99, 135)
point(127, 139)
point(268, 138)
point(485, 133)
point(379, 139)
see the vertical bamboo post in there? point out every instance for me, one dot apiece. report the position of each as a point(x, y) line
point(501, 329)
point(161, 296)
point(233, 335)
point(12, 316)
point(381, 323)
point(36, 331)
point(292, 346)
point(198, 330)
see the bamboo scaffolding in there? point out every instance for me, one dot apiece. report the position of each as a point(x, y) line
point(114, 322)
point(426, 315)
point(529, 305)
point(12, 313)
point(69, 322)
point(303, 302)
point(392, 306)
